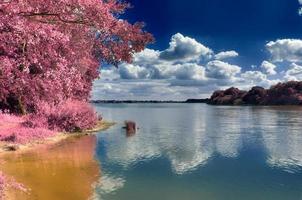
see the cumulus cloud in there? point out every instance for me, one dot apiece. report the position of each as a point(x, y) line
point(269, 68)
point(129, 71)
point(294, 73)
point(254, 76)
point(221, 70)
point(285, 50)
point(185, 71)
point(188, 69)
point(109, 74)
point(226, 54)
point(184, 49)
point(147, 56)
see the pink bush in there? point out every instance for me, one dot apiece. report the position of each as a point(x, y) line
point(13, 130)
point(72, 116)
point(69, 116)
point(6, 118)
point(23, 135)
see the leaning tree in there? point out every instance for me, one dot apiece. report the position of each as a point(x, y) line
point(51, 50)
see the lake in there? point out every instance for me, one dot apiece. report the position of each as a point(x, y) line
point(196, 151)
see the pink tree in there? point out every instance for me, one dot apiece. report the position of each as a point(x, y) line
point(50, 50)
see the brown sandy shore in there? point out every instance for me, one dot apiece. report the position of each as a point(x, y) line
point(60, 167)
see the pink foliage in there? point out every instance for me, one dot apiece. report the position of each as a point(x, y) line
point(13, 130)
point(6, 119)
point(287, 93)
point(69, 116)
point(72, 116)
point(23, 135)
point(50, 50)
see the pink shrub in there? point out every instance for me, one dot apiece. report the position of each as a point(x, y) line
point(72, 116)
point(23, 135)
point(6, 118)
point(13, 130)
point(69, 116)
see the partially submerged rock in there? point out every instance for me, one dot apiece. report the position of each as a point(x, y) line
point(130, 127)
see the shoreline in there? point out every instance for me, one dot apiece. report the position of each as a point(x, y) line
point(6, 147)
point(9, 149)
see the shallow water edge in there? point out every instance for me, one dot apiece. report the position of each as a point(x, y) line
point(60, 168)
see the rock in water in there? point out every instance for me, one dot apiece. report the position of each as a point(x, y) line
point(130, 127)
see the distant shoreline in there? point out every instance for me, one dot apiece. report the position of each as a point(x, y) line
point(148, 101)
point(281, 94)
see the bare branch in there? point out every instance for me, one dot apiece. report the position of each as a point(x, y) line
point(57, 16)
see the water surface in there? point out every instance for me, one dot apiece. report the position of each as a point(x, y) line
point(63, 171)
point(196, 151)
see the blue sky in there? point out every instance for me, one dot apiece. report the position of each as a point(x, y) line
point(204, 45)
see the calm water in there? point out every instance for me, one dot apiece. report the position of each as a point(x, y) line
point(195, 151)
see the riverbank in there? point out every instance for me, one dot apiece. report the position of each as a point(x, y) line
point(6, 147)
point(64, 150)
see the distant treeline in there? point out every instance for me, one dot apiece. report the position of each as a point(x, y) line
point(149, 101)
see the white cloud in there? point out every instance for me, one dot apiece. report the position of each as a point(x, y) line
point(226, 54)
point(184, 49)
point(294, 73)
point(285, 50)
point(221, 70)
point(109, 74)
point(188, 69)
point(147, 56)
point(129, 71)
point(254, 76)
point(269, 68)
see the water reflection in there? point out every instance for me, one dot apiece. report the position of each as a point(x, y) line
point(193, 137)
point(66, 170)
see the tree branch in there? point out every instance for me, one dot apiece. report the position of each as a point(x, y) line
point(31, 15)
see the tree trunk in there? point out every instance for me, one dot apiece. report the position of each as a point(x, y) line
point(21, 106)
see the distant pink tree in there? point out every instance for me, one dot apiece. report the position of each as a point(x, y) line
point(51, 50)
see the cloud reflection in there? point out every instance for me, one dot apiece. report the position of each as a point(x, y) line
point(192, 137)
point(106, 185)
point(220, 132)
